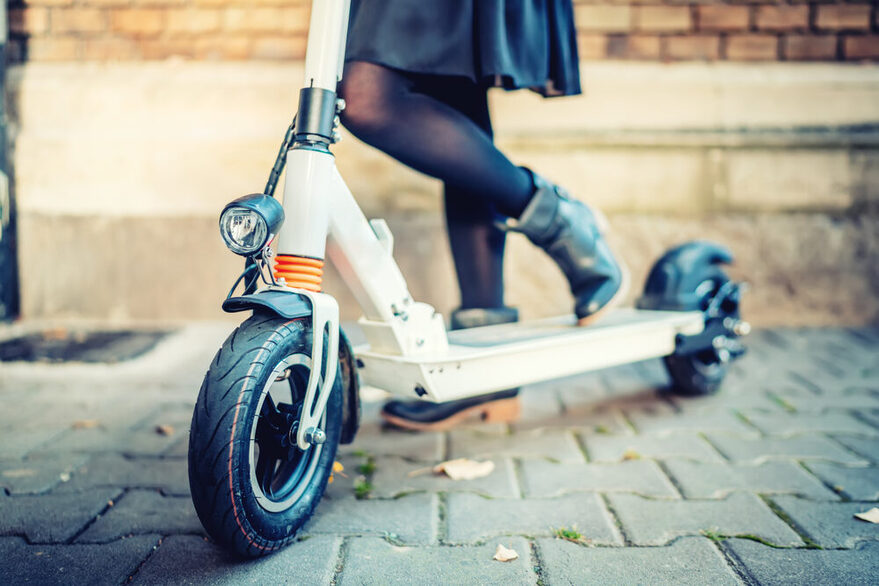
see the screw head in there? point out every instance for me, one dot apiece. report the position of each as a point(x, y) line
point(315, 436)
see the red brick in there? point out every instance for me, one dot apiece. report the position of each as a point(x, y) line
point(752, 47)
point(782, 18)
point(287, 47)
point(29, 20)
point(138, 22)
point(663, 18)
point(693, 47)
point(111, 49)
point(295, 19)
point(633, 47)
point(159, 49)
point(193, 21)
point(78, 20)
point(843, 17)
point(53, 48)
point(722, 18)
point(810, 47)
point(603, 18)
point(108, 3)
point(263, 20)
point(590, 46)
point(49, 2)
point(224, 47)
point(861, 47)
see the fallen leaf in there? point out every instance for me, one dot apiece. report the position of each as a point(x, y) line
point(420, 471)
point(464, 469)
point(86, 423)
point(503, 554)
point(55, 334)
point(165, 429)
point(631, 454)
point(339, 469)
point(871, 516)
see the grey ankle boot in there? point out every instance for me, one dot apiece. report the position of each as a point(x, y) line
point(571, 234)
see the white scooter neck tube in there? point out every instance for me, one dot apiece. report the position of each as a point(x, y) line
point(327, 35)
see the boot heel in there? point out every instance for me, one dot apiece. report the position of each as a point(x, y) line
point(503, 411)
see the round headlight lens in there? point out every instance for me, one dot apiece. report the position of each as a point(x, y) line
point(243, 230)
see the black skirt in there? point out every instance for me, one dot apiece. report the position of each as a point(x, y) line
point(509, 43)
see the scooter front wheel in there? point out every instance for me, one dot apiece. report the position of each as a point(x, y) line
point(252, 486)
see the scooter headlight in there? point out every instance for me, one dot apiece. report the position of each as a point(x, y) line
point(248, 223)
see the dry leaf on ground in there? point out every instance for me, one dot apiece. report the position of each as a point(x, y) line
point(631, 454)
point(871, 516)
point(503, 554)
point(464, 469)
point(86, 423)
point(165, 429)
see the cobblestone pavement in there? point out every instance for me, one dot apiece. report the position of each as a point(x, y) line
point(758, 484)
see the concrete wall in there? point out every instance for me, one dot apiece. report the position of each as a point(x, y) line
point(121, 170)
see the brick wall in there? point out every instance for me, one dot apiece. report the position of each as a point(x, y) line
point(736, 30)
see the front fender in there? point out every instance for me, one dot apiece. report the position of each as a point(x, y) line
point(291, 305)
point(288, 304)
point(674, 279)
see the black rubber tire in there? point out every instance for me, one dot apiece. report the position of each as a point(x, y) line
point(219, 441)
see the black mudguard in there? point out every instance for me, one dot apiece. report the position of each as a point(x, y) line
point(291, 305)
point(674, 278)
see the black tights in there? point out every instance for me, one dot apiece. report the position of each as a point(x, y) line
point(440, 125)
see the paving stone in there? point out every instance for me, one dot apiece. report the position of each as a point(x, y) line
point(140, 512)
point(143, 441)
point(611, 448)
point(52, 518)
point(552, 444)
point(691, 560)
point(723, 422)
point(856, 399)
point(394, 476)
point(112, 563)
point(790, 424)
point(169, 475)
point(38, 474)
point(772, 566)
point(857, 484)
point(829, 524)
point(804, 447)
point(655, 522)
point(412, 519)
point(372, 561)
point(540, 402)
point(377, 440)
point(548, 479)
point(747, 398)
point(17, 445)
point(871, 416)
point(472, 517)
point(866, 447)
point(596, 420)
point(712, 481)
point(191, 560)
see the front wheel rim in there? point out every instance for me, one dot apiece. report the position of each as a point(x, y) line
point(279, 471)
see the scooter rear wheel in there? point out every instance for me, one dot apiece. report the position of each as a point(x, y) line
point(252, 487)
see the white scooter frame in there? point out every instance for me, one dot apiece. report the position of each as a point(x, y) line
point(409, 351)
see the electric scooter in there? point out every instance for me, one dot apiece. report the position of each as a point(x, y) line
point(282, 392)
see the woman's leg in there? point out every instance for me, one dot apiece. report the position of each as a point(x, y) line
point(477, 243)
point(383, 110)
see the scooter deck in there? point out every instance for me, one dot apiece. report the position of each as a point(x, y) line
point(492, 358)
